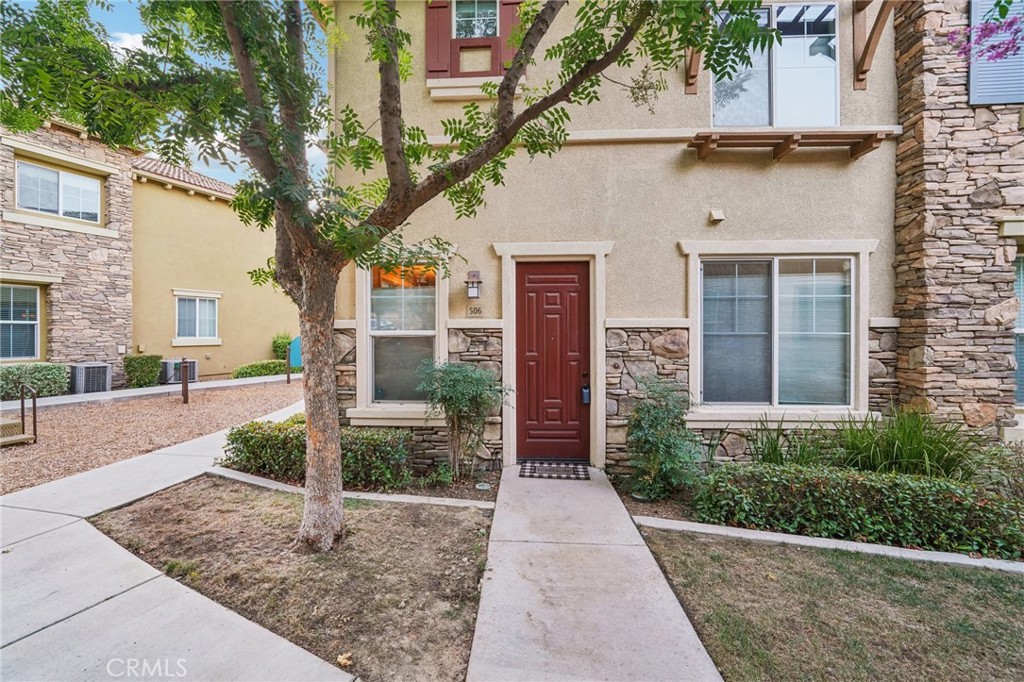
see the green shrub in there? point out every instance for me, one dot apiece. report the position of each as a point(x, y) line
point(464, 394)
point(264, 448)
point(773, 444)
point(374, 459)
point(263, 368)
point(279, 345)
point(665, 454)
point(49, 378)
point(141, 371)
point(889, 509)
point(911, 442)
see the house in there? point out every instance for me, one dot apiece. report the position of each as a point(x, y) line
point(107, 252)
point(829, 234)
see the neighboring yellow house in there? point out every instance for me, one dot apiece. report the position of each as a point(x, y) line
point(192, 295)
point(107, 253)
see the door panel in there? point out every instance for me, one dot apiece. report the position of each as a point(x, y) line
point(552, 360)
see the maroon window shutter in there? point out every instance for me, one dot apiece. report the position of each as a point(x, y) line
point(439, 38)
point(508, 20)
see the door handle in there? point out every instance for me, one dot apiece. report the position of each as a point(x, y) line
point(586, 394)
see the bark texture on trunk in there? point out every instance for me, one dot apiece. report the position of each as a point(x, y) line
point(323, 513)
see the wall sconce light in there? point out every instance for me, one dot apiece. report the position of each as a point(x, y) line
point(473, 284)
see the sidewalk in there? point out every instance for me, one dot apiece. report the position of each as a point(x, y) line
point(571, 592)
point(129, 393)
point(78, 606)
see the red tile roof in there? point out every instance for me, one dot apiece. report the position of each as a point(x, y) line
point(180, 175)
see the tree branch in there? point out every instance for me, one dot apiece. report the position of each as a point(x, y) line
point(254, 144)
point(391, 214)
point(293, 109)
point(400, 182)
point(538, 29)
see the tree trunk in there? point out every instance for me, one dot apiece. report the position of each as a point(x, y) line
point(323, 514)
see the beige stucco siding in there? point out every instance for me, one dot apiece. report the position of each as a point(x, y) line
point(646, 196)
point(190, 242)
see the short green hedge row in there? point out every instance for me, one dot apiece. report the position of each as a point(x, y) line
point(279, 345)
point(49, 378)
point(890, 509)
point(142, 371)
point(374, 459)
point(263, 368)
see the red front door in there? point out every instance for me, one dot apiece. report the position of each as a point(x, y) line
point(552, 360)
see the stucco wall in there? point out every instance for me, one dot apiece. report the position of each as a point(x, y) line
point(647, 196)
point(88, 311)
point(190, 242)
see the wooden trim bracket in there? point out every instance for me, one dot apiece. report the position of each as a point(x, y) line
point(787, 145)
point(692, 69)
point(865, 43)
point(782, 142)
point(705, 145)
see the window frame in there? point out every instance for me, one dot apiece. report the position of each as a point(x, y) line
point(178, 298)
point(497, 20)
point(772, 80)
point(366, 407)
point(60, 193)
point(775, 260)
point(37, 323)
point(1018, 331)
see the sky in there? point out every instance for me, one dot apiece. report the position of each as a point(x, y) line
point(125, 29)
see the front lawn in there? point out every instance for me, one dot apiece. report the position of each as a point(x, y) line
point(396, 601)
point(776, 612)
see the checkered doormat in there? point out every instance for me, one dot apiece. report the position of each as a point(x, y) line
point(567, 471)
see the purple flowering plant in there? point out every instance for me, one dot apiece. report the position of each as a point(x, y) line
point(995, 38)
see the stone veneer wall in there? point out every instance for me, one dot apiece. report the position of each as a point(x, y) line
point(629, 354)
point(430, 443)
point(89, 313)
point(883, 388)
point(958, 169)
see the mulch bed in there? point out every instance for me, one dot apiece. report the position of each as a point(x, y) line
point(396, 600)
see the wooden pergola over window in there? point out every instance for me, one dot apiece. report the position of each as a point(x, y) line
point(782, 141)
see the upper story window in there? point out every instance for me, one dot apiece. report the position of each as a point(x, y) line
point(475, 19)
point(19, 322)
point(58, 192)
point(403, 330)
point(777, 331)
point(795, 83)
point(469, 37)
point(197, 318)
point(1000, 81)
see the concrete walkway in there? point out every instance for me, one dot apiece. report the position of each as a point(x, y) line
point(150, 392)
point(77, 606)
point(572, 592)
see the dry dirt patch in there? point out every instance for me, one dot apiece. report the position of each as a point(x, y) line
point(82, 437)
point(400, 595)
point(776, 612)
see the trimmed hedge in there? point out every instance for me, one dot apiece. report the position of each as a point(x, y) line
point(142, 371)
point(374, 459)
point(263, 368)
point(49, 378)
point(889, 509)
point(279, 345)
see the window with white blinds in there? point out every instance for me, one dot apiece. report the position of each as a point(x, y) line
point(19, 322)
point(403, 330)
point(777, 331)
point(1019, 329)
point(998, 82)
point(197, 318)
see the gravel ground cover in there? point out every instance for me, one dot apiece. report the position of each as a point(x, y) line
point(396, 600)
point(81, 437)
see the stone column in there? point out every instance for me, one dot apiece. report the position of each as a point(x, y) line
point(958, 169)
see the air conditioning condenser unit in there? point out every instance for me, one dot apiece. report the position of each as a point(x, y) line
point(170, 371)
point(90, 377)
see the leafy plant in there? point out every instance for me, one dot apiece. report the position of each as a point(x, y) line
point(49, 378)
point(142, 371)
point(439, 477)
point(464, 394)
point(890, 509)
point(263, 368)
point(372, 459)
point(773, 444)
point(911, 442)
point(279, 345)
point(665, 454)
